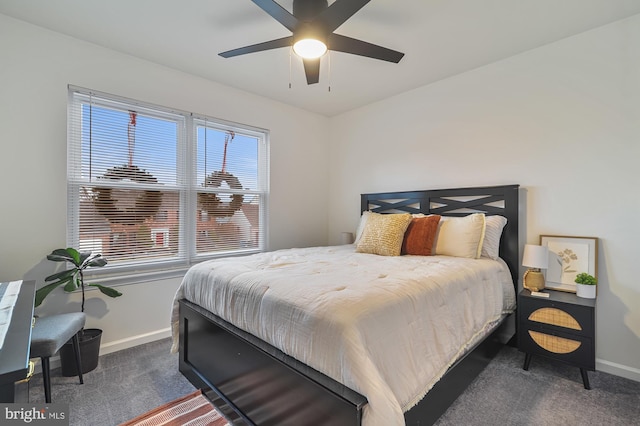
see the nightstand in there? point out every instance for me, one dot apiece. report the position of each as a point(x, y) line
point(561, 327)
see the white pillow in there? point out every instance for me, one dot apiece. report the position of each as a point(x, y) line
point(492, 233)
point(460, 236)
point(361, 225)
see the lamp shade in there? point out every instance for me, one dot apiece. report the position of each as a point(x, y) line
point(535, 256)
point(309, 48)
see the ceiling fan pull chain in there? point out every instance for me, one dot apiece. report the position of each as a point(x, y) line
point(329, 66)
point(290, 50)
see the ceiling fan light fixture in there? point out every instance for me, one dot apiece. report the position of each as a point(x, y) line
point(309, 48)
point(312, 25)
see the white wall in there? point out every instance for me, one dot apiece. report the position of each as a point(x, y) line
point(36, 66)
point(563, 121)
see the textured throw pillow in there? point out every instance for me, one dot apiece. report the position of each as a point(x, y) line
point(383, 234)
point(461, 236)
point(420, 235)
point(492, 233)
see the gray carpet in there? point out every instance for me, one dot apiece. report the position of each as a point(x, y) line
point(130, 382)
point(550, 393)
point(124, 385)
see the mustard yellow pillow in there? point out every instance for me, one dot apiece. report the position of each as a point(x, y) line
point(383, 234)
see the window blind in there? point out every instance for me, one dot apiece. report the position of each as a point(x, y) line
point(150, 187)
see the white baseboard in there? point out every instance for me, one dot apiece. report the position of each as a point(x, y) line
point(618, 369)
point(130, 342)
point(116, 345)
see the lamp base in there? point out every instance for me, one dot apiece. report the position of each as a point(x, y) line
point(533, 280)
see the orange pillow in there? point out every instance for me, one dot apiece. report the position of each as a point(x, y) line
point(420, 235)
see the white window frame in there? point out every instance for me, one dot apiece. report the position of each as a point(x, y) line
point(187, 185)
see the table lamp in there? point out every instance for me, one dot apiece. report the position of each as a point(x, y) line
point(535, 258)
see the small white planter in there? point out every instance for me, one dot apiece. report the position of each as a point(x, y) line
point(586, 291)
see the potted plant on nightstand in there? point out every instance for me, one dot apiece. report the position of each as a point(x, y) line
point(73, 279)
point(586, 285)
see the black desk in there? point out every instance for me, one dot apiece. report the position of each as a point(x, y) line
point(14, 354)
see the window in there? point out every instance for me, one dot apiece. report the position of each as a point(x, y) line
point(152, 188)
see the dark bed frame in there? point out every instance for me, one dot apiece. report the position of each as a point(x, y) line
point(253, 383)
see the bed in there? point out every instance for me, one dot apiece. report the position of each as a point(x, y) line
point(272, 367)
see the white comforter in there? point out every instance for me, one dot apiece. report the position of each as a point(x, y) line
point(387, 327)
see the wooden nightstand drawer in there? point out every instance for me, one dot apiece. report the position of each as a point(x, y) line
point(566, 347)
point(576, 318)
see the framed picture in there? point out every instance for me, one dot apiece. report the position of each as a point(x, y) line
point(569, 256)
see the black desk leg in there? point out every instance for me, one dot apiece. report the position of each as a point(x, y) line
point(585, 378)
point(527, 361)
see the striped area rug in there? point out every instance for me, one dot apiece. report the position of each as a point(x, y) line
point(193, 410)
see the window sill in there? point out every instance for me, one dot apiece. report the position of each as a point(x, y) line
point(127, 275)
point(136, 277)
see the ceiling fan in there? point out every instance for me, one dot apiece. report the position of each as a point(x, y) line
point(313, 23)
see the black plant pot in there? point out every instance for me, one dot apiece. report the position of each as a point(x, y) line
point(89, 352)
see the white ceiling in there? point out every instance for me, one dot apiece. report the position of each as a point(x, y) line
point(440, 38)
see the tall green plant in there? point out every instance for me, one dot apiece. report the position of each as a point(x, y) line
point(73, 278)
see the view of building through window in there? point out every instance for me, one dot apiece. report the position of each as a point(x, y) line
point(148, 185)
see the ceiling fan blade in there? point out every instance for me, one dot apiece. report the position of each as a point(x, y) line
point(267, 45)
point(278, 13)
point(336, 14)
point(345, 44)
point(312, 70)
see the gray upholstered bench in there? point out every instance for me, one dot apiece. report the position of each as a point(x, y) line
point(49, 334)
